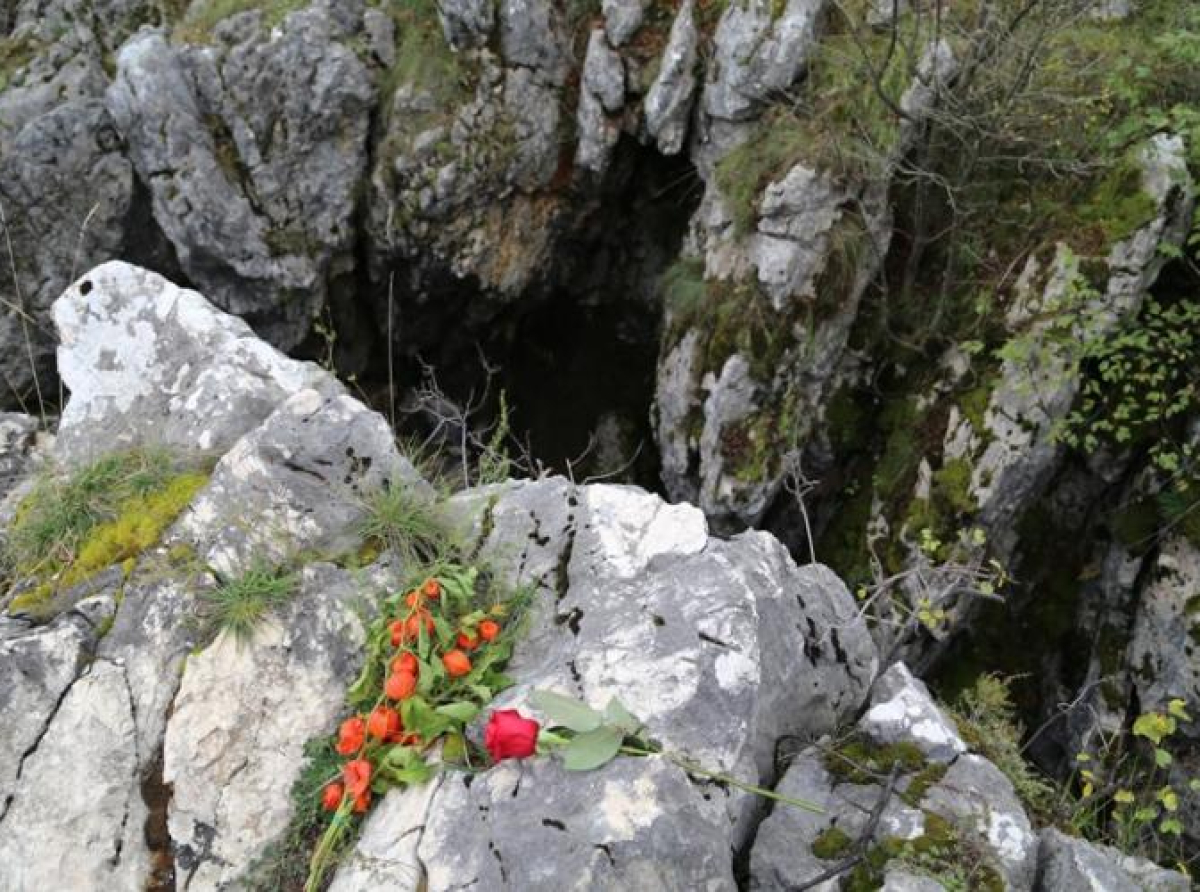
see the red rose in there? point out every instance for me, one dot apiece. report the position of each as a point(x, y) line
point(332, 797)
point(357, 775)
point(509, 735)
point(351, 735)
point(467, 642)
point(362, 801)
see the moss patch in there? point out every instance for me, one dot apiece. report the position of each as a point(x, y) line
point(831, 843)
point(861, 761)
point(68, 529)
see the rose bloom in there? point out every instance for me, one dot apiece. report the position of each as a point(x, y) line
point(509, 735)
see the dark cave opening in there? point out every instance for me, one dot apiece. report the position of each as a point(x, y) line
point(575, 355)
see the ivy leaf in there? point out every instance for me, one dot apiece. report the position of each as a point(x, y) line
point(592, 749)
point(617, 715)
point(566, 711)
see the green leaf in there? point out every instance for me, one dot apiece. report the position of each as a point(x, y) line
point(1154, 726)
point(1162, 758)
point(566, 711)
point(616, 714)
point(592, 749)
point(461, 711)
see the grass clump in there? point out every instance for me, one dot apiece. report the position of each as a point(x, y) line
point(201, 18)
point(407, 523)
point(239, 605)
point(71, 527)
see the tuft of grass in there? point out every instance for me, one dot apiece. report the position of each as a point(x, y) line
point(202, 17)
point(239, 606)
point(70, 527)
point(407, 523)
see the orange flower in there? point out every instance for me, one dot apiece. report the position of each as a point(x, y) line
point(384, 723)
point(406, 662)
point(397, 630)
point(351, 735)
point(413, 599)
point(362, 801)
point(468, 642)
point(412, 626)
point(432, 589)
point(400, 685)
point(457, 663)
point(488, 630)
point(331, 798)
point(357, 775)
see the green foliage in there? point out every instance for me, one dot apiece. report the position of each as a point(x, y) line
point(1128, 794)
point(407, 522)
point(424, 60)
point(239, 605)
point(776, 145)
point(831, 843)
point(204, 15)
point(861, 761)
point(72, 526)
point(986, 719)
point(943, 852)
point(1143, 381)
point(15, 53)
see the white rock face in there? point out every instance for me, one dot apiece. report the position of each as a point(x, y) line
point(234, 744)
point(149, 363)
point(723, 648)
point(902, 710)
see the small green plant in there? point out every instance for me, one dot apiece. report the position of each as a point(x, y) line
point(406, 522)
point(1123, 793)
point(986, 719)
point(239, 605)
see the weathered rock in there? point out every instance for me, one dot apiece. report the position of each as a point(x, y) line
point(723, 648)
point(956, 805)
point(622, 18)
point(253, 152)
point(65, 190)
point(149, 363)
point(297, 483)
point(1068, 864)
point(37, 666)
point(758, 52)
point(602, 93)
point(668, 105)
point(18, 434)
point(902, 710)
point(234, 743)
point(1164, 654)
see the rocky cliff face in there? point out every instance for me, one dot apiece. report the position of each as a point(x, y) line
point(172, 753)
point(914, 293)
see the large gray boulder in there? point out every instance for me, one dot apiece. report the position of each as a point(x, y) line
point(148, 363)
point(1069, 864)
point(253, 149)
point(243, 713)
point(723, 648)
